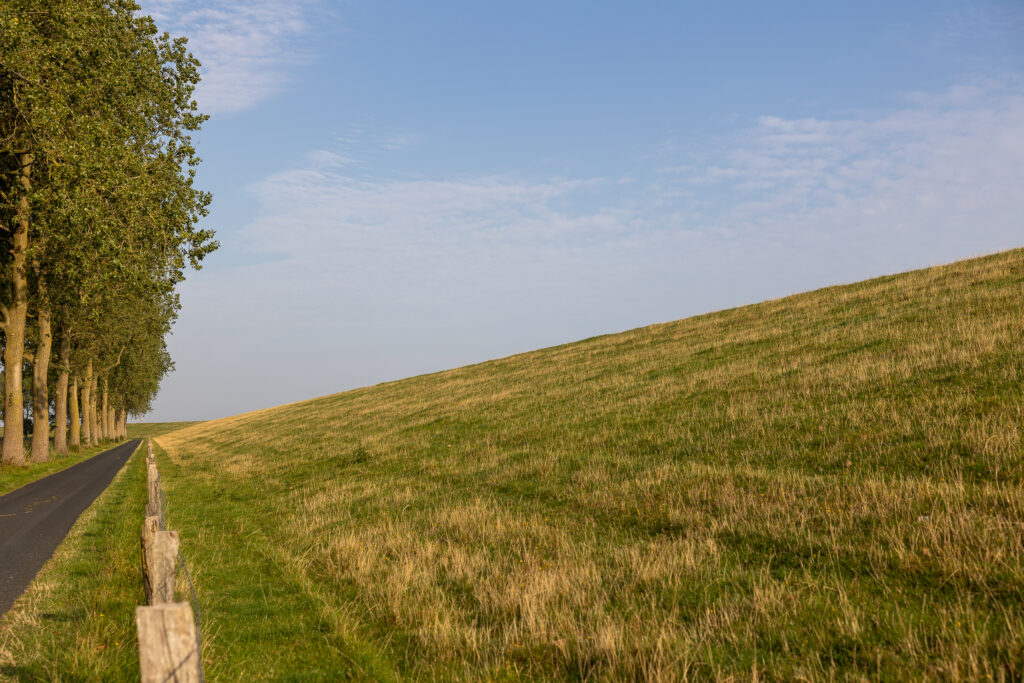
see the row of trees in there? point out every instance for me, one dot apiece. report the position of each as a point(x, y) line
point(98, 214)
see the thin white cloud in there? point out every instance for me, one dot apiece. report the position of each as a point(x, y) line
point(988, 21)
point(247, 47)
point(939, 172)
point(366, 279)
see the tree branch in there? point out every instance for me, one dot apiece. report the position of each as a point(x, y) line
point(114, 364)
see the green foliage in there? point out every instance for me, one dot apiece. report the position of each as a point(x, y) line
point(104, 104)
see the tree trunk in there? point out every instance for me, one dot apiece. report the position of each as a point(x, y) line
point(60, 429)
point(40, 391)
point(76, 424)
point(104, 424)
point(90, 413)
point(86, 403)
point(14, 353)
point(94, 426)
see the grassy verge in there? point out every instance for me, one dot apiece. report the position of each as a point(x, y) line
point(15, 477)
point(253, 596)
point(137, 430)
point(76, 621)
point(828, 486)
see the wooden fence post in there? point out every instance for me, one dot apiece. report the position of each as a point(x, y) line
point(149, 528)
point(160, 565)
point(168, 648)
point(153, 482)
point(168, 642)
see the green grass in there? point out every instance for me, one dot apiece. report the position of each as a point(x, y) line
point(828, 486)
point(824, 486)
point(12, 477)
point(140, 429)
point(76, 622)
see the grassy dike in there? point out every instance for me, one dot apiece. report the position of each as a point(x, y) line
point(827, 486)
point(137, 430)
point(76, 621)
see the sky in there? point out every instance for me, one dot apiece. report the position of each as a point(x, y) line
point(405, 187)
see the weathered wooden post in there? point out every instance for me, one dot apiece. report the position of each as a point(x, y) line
point(153, 485)
point(149, 528)
point(168, 647)
point(163, 556)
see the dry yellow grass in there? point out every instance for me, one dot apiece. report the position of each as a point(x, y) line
point(824, 486)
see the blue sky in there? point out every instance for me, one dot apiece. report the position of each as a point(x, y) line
point(402, 187)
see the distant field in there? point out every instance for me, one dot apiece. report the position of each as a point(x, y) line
point(139, 429)
point(824, 486)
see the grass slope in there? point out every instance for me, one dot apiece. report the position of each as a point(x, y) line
point(140, 429)
point(828, 485)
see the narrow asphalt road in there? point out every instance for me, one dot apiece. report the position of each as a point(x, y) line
point(35, 518)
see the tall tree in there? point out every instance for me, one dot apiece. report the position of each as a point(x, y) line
point(98, 202)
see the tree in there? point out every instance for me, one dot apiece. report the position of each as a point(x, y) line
point(98, 209)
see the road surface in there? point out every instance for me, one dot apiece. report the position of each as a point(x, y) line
point(35, 518)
